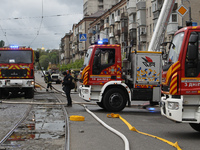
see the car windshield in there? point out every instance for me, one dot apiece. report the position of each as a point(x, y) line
point(15, 56)
point(87, 57)
point(175, 48)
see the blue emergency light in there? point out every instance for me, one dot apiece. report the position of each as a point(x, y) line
point(104, 41)
point(14, 46)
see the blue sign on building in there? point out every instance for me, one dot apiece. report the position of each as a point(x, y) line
point(82, 37)
point(194, 23)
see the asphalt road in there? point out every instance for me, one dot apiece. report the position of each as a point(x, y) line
point(91, 135)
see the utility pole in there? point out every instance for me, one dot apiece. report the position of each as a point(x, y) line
point(190, 13)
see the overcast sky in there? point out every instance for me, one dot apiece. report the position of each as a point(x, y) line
point(21, 21)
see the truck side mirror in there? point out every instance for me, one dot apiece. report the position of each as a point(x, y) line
point(192, 52)
point(193, 38)
point(37, 55)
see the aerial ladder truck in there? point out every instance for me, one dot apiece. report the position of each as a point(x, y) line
point(113, 87)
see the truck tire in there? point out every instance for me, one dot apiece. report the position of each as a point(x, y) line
point(195, 126)
point(114, 100)
point(29, 93)
point(100, 104)
point(0, 94)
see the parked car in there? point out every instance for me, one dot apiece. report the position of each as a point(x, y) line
point(55, 77)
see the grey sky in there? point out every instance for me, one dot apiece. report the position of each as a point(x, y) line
point(21, 22)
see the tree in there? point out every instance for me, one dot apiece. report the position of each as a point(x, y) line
point(2, 43)
point(48, 56)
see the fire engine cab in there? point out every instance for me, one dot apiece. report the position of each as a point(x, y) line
point(16, 71)
point(181, 78)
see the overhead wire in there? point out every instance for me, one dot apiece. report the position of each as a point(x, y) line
point(4, 33)
point(37, 30)
point(39, 27)
point(58, 15)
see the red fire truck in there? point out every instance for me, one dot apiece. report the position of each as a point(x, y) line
point(181, 78)
point(112, 87)
point(16, 71)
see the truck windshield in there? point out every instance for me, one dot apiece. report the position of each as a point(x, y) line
point(87, 57)
point(15, 56)
point(175, 48)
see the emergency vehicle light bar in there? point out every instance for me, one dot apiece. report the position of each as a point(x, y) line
point(104, 41)
point(14, 46)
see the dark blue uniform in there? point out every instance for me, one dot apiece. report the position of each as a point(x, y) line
point(48, 81)
point(66, 83)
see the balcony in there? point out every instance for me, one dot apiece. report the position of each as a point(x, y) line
point(106, 25)
point(156, 15)
point(141, 5)
point(143, 38)
point(117, 18)
point(132, 26)
point(111, 35)
point(131, 10)
point(172, 28)
point(111, 22)
point(124, 15)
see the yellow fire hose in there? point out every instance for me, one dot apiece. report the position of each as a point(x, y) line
point(112, 115)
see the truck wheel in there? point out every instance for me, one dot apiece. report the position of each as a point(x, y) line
point(195, 126)
point(0, 94)
point(29, 93)
point(100, 104)
point(114, 100)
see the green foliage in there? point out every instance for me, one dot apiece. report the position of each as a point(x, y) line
point(2, 43)
point(75, 65)
point(53, 57)
point(48, 56)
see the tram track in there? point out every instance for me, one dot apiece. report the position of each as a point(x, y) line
point(33, 104)
point(58, 102)
point(16, 125)
point(119, 134)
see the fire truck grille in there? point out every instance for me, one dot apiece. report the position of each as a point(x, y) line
point(14, 73)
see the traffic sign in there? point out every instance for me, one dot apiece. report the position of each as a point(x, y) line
point(82, 37)
point(182, 10)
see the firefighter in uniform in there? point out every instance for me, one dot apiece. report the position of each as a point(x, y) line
point(66, 87)
point(48, 81)
point(74, 75)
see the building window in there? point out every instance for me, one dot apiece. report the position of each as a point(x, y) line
point(149, 11)
point(107, 20)
point(150, 29)
point(174, 18)
point(132, 18)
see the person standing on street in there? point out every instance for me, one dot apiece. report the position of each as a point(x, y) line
point(66, 83)
point(48, 81)
point(74, 76)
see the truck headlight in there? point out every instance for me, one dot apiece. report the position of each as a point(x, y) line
point(30, 83)
point(85, 91)
point(173, 105)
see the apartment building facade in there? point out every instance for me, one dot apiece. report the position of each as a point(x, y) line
point(92, 6)
point(130, 22)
